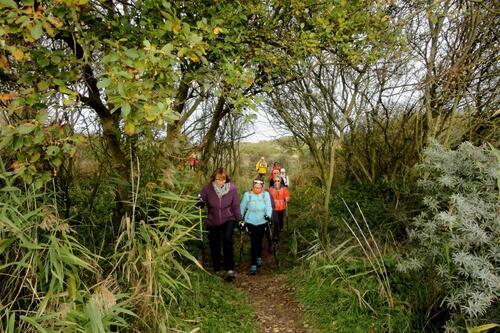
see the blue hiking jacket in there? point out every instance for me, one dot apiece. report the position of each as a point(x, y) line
point(255, 207)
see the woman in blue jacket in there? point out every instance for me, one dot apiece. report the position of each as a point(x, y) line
point(256, 208)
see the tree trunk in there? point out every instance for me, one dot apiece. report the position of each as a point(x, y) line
point(208, 142)
point(174, 129)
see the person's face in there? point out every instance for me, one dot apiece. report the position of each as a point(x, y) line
point(257, 188)
point(220, 180)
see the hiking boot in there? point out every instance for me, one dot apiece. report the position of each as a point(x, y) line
point(259, 262)
point(253, 269)
point(230, 275)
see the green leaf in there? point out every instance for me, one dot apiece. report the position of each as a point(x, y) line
point(125, 110)
point(103, 83)
point(5, 243)
point(43, 85)
point(18, 142)
point(37, 30)
point(53, 150)
point(67, 91)
point(131, 53)
point(8, 3)
point(5, 142)
point(26, 128)
point(35, 324)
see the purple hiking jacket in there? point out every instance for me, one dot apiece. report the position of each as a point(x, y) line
point(223, 209)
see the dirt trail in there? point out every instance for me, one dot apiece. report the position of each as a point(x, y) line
point(272, 298)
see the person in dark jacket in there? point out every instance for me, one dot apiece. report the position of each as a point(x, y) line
point(223, 203)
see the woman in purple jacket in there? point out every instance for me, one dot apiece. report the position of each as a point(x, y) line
point(223, 203)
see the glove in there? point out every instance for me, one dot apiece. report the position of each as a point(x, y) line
point(241, 224)
point(200, 203)
point(267, 218)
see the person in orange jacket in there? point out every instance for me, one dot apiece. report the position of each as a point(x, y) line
point(281, 196)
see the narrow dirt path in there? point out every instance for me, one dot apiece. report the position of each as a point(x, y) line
point(272, 298)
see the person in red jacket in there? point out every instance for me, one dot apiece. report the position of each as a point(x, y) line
point(276, 166)
point(281, 196)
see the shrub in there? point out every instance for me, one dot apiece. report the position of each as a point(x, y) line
point(456, 236)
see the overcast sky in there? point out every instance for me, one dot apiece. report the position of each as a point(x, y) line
point(263, 130)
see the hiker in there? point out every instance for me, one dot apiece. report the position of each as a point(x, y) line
point(223, 203)
point(261, 167)
point(275, 173)
point(276, 166)
point(281, 196)
point(193, 161)
point(256, 208)
point(284, 178)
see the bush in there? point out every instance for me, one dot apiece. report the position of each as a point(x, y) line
point(456, 237)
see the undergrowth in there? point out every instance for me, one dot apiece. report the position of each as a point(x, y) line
point(340, 293)
point(212, 306)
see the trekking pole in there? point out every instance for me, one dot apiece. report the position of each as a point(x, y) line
point(242, 227)
point(273, 244)
point(241, 245)
point(201, 238)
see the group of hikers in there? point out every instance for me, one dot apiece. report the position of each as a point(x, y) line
point(260, 213)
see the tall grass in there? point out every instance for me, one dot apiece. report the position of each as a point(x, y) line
point(50, 281)
point(372, 253)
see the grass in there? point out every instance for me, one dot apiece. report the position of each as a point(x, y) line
point(213, 306)
point(346, 297)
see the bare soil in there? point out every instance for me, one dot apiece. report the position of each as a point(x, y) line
point(272, 297)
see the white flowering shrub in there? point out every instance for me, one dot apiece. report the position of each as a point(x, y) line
point(457, 235)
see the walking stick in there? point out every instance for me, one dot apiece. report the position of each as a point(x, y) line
point(201, 238)
point(245, 228)
point(273, 243)
point(241, 245)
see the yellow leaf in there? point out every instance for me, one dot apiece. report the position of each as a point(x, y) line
point(4, 63)
point(129, 128)
point(482, 328)
point(55, 21)
point(17, 53)
point(194, 58)
point(217, 30)
point(48, 28)
point(176, 27)
point(150, 116)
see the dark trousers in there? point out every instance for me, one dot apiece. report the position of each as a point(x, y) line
point(276, 225)
point(217, 235)
point(256, 237)
point(280, 218)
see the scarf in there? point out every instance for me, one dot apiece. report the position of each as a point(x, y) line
point(257, 191)
point(221, 191)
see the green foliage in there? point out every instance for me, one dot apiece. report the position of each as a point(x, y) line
point(456, 236)
point(386, 204)
point(341, 294)
point(212, 306)
point(51, 282)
